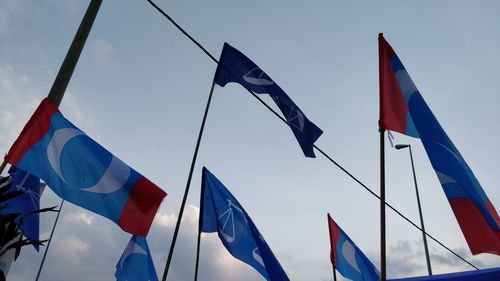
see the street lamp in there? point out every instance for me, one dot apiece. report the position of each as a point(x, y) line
point(398, 147)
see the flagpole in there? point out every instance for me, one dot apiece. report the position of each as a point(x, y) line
point(198, 253)
point(382, 209)
point(334, 272)
point(61, 82)
point(188, 183)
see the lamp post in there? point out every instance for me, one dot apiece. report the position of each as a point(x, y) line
point(429, 269)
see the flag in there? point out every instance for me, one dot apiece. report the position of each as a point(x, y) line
point(222, 213)
point(404, 110)
point(83, 172)
point(136, 263)
point(26, 203)
point(347, 258)
point(236, 67)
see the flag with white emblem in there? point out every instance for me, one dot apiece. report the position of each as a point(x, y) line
point(136, 263)
point(236, 67)
point(83, 172)
point(222, 213)
point(347, 258)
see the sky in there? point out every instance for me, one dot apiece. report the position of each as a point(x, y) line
point(141, 86)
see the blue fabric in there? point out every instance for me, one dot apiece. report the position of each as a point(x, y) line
point(490, 274)
point(80, 170)
point(236, 67)
point(222, 213)
point(136, 263)
point(352, 262)
point(25, 203)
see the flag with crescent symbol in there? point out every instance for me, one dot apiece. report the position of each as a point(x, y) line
point(83, 172)
point(347, 258)
point(236, 67)
point(404, 110)
point(136, 263)
point(220, 212)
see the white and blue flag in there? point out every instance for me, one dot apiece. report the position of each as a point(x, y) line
point(136, 263)
point(222, 213)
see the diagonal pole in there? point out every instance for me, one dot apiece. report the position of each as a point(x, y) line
point(61, 82)
point(188, 183)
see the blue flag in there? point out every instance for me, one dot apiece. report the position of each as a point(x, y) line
point(222, 213)
point(136, 263)
point(83, 172)
point(236, 67)
point(347, 258)
point(25, 203)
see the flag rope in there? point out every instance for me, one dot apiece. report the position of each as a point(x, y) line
point(316, 147)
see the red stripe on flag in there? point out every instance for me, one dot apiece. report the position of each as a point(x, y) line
point(141, 207)
point(334, 239)
point(33, 131)
point(480, 237)
point(393, 107)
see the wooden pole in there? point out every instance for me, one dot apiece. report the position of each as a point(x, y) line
point(188, 183)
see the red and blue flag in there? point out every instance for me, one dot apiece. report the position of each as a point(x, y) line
point(403, 109)
point(347, 258)
point(83, 172)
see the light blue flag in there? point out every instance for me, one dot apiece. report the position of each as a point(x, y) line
point(222, 213)
point(136, 263)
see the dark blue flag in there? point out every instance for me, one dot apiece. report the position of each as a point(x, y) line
point(25, 203)
point(222, 213)
point(236, 67)
point(136, 263)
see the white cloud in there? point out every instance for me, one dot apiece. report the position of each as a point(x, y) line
point(78, 217)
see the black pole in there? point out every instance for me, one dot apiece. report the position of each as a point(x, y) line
point(193, 162)
point(334, 272)
point(50, 240)
point(428, 260)
point(197, 256)
point(383, 272)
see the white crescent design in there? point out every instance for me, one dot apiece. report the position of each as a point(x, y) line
point(132, 248)
point(257, 257)
point(115, 176)
point(459, 159)
point(444, 178)
point(350, 255)
point(56, 145)
point(250, 78)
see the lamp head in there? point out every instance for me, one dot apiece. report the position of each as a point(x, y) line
point(401, 146)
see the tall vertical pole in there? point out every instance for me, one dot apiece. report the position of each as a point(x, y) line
point(63, 77)
point(383, 271)
point(334, 272)
point(198, 253)
point(429, 269)
point(188, 183)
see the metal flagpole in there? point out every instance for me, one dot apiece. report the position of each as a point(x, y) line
point(426, 248)
point(334, 272)
point(198, 252)
point(193, 162)
point(63, 77)
point(383, 272)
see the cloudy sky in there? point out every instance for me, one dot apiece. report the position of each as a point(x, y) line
point(140, 89)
